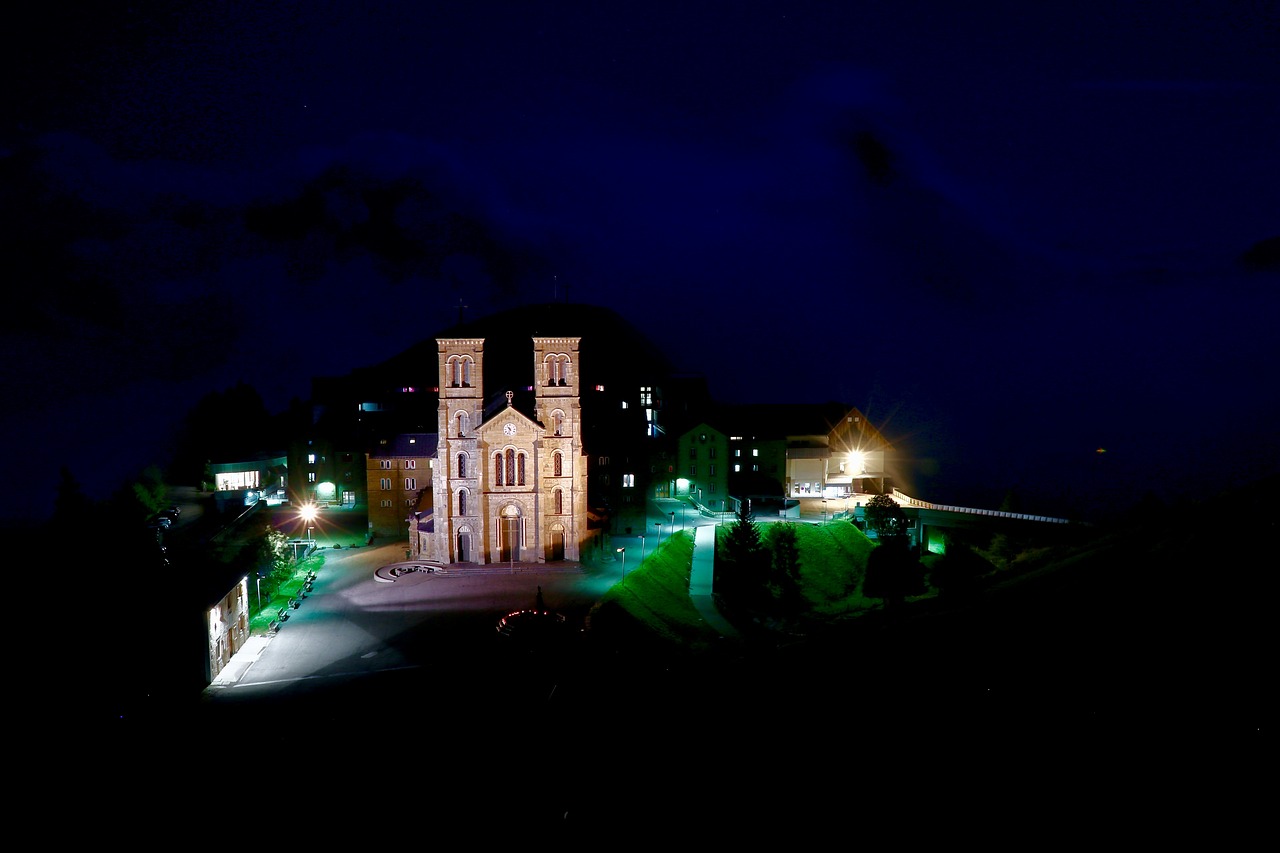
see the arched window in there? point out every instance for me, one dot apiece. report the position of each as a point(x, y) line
point(558, 463)
point(511, 467)
point(466, 372)
point(462, 464)
point(549, 370)
point(522, 458)
point(498, 469)
point(462, 502)
point(559, 501)
point(557, 421)
point(462, 424)
point(562, 370)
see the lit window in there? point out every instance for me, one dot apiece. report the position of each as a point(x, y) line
point(628, 481)
point(737, 468)
point(755, 451)
point(311, 477)
point(311, 459)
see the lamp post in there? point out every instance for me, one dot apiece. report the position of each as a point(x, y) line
point(642, 549)
point(623, 552)
point(511, 545)
point(658, 524)
point(824, 511)
point(307, 513)
point(683, 507)
point(258, 577)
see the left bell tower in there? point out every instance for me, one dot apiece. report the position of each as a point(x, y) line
point(459, 527)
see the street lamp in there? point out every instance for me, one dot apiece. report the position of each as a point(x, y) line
point(511, 545)
point(308, 514)
point(623, 552)
point(258, 577)
point(658, 524)
point(641, 549)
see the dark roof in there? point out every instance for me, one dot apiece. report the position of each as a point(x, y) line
point(407, 444)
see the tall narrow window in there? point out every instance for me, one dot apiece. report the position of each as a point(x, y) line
point(522, 458)
point(557, 421)
point(559, 502)
point(497, 469)
point(462, 464)
point(410, 483)
point(558, 464)
point(385, 483)
point(462, 502)
point(511, 467)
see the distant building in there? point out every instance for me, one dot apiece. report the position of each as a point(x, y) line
point(398, 481)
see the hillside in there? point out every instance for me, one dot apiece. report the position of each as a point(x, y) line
point(1154, 626)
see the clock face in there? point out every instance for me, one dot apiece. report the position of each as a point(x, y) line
point(509, 429)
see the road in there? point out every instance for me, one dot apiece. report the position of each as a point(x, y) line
point(357, 642)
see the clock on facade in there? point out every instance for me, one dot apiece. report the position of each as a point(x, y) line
point(509, 429)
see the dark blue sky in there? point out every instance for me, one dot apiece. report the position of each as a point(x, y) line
point(1011, 236)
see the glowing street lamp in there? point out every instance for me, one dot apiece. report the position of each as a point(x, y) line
point(658, 524)
point(308, 514)
point(623, 552)
point(642, 549)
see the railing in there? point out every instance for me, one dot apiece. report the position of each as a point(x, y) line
point(907, 500)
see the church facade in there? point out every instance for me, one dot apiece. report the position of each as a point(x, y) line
point(508, 485)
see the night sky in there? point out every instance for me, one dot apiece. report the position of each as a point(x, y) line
point(1011, 236)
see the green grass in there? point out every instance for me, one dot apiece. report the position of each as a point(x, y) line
point(260, 621)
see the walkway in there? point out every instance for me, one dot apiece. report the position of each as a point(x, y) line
point(700, 579)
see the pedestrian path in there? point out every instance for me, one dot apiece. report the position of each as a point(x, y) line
point(701, 577)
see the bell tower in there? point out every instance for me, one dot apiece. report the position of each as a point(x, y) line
point(459, 526)
point(562, 487)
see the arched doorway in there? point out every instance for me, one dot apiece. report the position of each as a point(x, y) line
point(555, 545)
point(509, 528)
point(464, 545)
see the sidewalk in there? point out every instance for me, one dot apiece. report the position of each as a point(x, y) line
point(701, 576)
point(240, 662)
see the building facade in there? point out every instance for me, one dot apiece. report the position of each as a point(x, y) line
point(509, 482)
point(398, 481)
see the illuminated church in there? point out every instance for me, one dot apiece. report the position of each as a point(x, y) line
point(509, 481)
